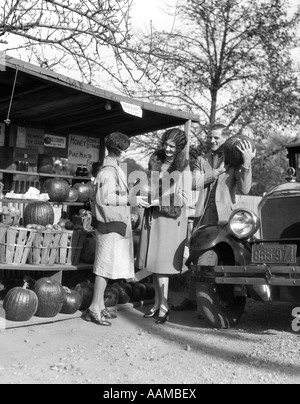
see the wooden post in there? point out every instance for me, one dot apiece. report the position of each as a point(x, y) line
point(188, 127)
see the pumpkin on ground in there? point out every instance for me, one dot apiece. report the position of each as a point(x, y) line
point(85, 191)
point(232, 155)
point(20, 304)
point(150, 291)
point(111, 296)
point(86, 290)
point(123, 296)
point(89, 250)
point(40, 213)
point(50, 296)
point(139, 291)
point(72, 301)
point(57, 189)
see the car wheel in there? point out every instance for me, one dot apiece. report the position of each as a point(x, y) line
point(216, 302)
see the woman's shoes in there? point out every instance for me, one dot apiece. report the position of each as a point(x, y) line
point(152, 313)
point(164, 319)
point(109, 315)
point(97, 318)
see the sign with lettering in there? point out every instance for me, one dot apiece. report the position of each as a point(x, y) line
point(132, 109)
point(83, 149)
point(57, 142)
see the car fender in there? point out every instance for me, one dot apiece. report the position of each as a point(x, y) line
point(209, 237)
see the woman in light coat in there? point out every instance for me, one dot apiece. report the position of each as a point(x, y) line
point(164, 230)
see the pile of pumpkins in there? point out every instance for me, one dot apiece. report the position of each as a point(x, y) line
point(60, 191)
point(48, 298)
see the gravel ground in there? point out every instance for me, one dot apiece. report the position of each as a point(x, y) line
point(262, 350)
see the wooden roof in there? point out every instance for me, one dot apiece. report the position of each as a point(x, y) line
point(46, 100)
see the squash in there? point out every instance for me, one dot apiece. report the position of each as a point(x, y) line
point(72, 301)
point(39, 213)
point(232, 155)
point(89, 250)
point(20, 304)
point(85, 191)
point(50, 296)
point(111, 296)
point(86, 290)
point(57, 189)
point(73, 195)
point(123, 296)
point(139, 291)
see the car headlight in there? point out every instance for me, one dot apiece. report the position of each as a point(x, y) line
point(243, 223)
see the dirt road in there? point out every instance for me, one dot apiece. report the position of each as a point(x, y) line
point(135, 350)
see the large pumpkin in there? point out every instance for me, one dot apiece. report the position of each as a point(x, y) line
point(51, 297)
point(73, 301)
point(20, 304)
point(85, 191)
point(73, 195)
point(232, 155)
point(41, 213)
point(86, 290)
point(57, 189)
point(89, 250)
point(123, 296)
point(139, 291)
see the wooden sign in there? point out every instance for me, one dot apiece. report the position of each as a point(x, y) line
point(83, 149)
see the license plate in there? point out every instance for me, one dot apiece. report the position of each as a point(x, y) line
point(274, 254)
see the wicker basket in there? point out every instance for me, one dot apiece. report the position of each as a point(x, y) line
point(71, 245)
point(45, 247)
point(10, 219)
point(15, 244)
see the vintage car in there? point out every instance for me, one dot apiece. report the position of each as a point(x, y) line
point(250, 256)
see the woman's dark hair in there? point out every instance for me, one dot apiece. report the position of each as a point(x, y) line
point(179, 137)
point(95, 169)
point(116, 143)
point(156, 160)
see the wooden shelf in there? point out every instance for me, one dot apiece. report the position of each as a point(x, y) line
point(35, 174)
point(13, 200)
point(46, 268)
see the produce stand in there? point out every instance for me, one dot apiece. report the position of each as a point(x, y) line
point(43, 113)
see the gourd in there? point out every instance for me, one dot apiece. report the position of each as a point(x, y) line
point(139, 291)
point(111, 296)
point(232, 155)
point(85, 191)
point(20, 304)
point(86, 290)
point(50, 296)
point(123, 296)
point(72, 301)
point(57, 189)
point(39, 213)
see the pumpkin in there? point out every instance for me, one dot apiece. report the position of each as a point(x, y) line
point(139, 291)
point(127, 288)
point(89, 250)
point(86, 290)
point(58, 190)
point(135, 218)
point(50, 296)
point(20, 304)
point(85, 191)
point(72, 301)
point(45, 164)
point(73, 195)
point(232, 155)
point(111, 296)
point(39, 213)
point(123, 296)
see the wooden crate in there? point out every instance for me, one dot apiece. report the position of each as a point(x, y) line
point(71, 245)
point(15, 244)
point(44, 248)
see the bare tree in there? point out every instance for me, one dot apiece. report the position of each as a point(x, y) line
point(84, 34)
point(227, 59)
